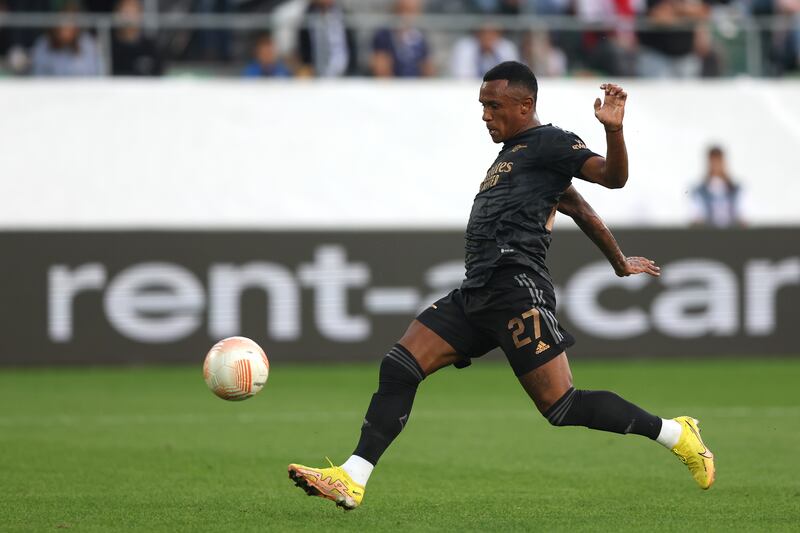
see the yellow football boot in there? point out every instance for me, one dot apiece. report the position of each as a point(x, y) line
point(332, 483)
point(693, 452)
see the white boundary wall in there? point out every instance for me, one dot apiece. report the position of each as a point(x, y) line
point(210, 153)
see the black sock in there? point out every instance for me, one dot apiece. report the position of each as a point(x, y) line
point(390, 407)
point(602, 410)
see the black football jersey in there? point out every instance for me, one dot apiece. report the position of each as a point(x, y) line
point(513, 212)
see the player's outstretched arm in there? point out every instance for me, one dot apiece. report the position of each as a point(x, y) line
point(574, 206)
point(611, 171)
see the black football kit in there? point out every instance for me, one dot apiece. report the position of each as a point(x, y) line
point(507, 298)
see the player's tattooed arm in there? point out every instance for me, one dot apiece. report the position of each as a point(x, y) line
point(610, 171)
point(574, 206)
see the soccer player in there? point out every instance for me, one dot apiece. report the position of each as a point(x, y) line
point(507, 298)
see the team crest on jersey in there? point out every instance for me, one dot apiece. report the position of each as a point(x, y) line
point(518, 147)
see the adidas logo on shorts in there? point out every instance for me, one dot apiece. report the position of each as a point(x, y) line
point(542, 346)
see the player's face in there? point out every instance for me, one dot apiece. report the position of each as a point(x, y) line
point(506, 111)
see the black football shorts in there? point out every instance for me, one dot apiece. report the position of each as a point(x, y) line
point(515, 310)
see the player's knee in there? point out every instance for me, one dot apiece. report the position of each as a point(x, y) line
point(399, 368)
point(547, 399)
point(566, 411)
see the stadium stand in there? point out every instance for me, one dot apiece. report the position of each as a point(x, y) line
point(646, 38)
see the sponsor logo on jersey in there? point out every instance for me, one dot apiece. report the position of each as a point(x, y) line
point(518, 147)
point(579, 146)
point(493, 174)
point(489, 182)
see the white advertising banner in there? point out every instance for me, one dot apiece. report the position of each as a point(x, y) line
point(354, 154)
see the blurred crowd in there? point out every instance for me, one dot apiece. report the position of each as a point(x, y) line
point(323, 38)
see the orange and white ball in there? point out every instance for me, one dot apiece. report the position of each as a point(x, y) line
point(236, 368)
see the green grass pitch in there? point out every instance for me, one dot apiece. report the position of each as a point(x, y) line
point(151, 449)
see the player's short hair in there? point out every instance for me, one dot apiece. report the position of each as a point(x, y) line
point(516, 73)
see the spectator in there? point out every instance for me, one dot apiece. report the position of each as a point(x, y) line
point(99, 6)
point(327, 47)
point(554, 52)
point(401, 52)
point(132, 53)
point(498, 7)
point(544, 58)
point(670, 52)
point(475, 54)
point(546, 7)
point(781, 44)
point(790, 9)
point(266, 63)
point(6, 40)
point(712, 64)
point(717, 200)
point(212, 44)
point(486, 7)
point(611, 50)
point(16, 42)
point(66, 50)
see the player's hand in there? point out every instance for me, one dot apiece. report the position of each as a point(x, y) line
point(611, 111)
point(638, 265)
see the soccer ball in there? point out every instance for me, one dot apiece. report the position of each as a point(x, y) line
point(236, 368)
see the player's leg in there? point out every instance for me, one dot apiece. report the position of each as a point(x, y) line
point(419, 353)
point(441, 335)
point(535, 344)
point(550, 387)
